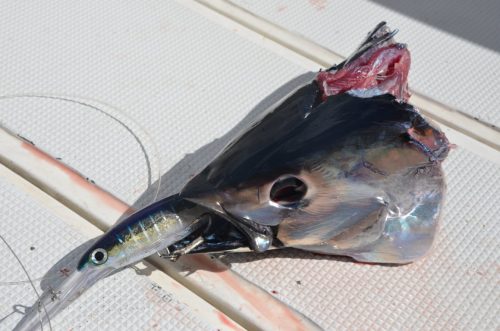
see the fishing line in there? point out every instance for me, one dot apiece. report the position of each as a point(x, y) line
point(20, 282)
point(32, 285)
point(127, 123)
point(120, 117)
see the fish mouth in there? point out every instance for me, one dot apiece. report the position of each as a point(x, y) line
point(58, 297)
point(260, 237)
point(380, 65)
point(225, 230)
point(224, 233)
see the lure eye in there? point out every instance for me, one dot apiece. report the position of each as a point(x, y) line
point(99, 256)
point(288, 190)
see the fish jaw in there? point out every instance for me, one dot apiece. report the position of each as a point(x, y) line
point(54, 300)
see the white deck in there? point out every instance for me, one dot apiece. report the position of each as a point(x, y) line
point(178, 78)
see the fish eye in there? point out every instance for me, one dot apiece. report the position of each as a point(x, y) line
point(288, 190)
point(99, 256)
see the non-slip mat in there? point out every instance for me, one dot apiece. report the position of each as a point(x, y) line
point(188, 82)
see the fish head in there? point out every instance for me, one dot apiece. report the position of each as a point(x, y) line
point(353, 171)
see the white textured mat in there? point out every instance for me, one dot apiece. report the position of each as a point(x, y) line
point(122, 301)
point(445, 67)
point(187, 82)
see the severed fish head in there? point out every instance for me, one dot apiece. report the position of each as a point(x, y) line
point(342, 166)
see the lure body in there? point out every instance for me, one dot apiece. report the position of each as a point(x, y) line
point(146, 232)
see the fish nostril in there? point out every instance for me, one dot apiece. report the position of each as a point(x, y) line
point(288, 190)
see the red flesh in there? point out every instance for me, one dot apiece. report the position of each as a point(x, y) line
point(385, 68)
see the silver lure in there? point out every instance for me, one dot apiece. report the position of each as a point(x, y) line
point(148, 231)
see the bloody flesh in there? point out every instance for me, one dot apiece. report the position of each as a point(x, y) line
point(384, 68)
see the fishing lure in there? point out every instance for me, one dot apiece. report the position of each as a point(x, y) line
point(343, 165)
